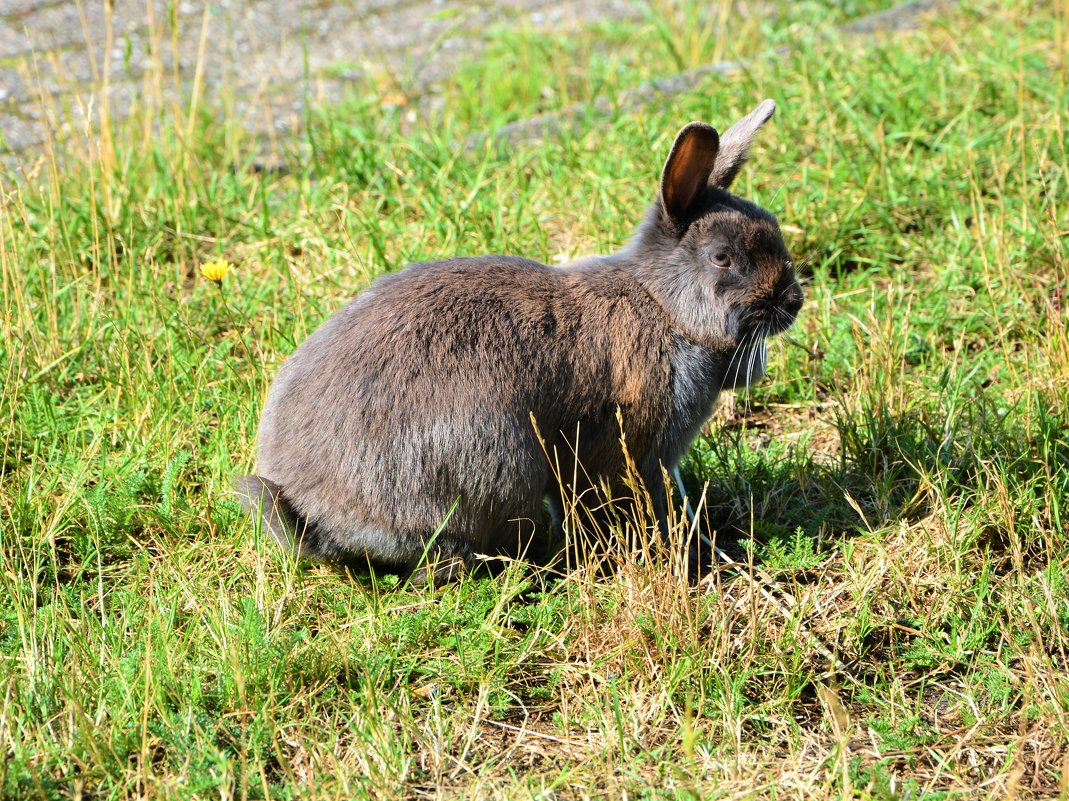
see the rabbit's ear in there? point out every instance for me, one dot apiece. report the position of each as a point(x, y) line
point(687, 170)
point(735, 144)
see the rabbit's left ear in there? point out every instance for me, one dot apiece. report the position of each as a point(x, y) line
point(687, 170)
point(735, 144)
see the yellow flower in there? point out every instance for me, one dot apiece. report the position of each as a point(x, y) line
point(216, 270)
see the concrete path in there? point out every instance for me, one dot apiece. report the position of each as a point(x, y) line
point(271, 57)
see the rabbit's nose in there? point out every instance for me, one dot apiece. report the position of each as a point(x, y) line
point(792, 298)
point(778, 310)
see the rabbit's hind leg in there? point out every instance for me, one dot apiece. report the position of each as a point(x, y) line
point(264, 500)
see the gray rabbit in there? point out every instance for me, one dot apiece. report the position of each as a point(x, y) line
point(413, 427)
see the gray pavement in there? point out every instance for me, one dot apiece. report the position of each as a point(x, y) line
point(268, 57)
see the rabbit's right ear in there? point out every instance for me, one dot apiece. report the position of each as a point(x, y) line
point(687, 170)
point(735, 144)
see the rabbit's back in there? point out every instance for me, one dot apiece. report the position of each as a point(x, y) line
point(420, 393)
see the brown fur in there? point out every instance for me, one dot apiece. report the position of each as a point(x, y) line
point(408, 414)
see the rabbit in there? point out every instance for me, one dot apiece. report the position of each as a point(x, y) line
point(416, 428)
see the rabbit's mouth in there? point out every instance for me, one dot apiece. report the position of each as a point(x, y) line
point(773, 314)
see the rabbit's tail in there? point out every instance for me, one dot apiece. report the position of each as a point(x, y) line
point(263, 497)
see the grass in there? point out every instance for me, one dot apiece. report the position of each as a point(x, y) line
point(903, 473)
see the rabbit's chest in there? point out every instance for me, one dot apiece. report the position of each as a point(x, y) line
point(695, 381)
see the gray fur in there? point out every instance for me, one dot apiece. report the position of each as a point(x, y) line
point(409, 412)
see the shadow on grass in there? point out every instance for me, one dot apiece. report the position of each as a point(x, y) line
point(886, 469)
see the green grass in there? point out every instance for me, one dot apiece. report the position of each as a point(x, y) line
point(903, 472)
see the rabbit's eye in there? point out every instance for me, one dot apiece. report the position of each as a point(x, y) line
point(722, 260)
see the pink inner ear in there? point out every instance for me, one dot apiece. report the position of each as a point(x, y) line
point(688, 168)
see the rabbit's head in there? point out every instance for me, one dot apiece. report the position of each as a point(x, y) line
point(715, 262)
